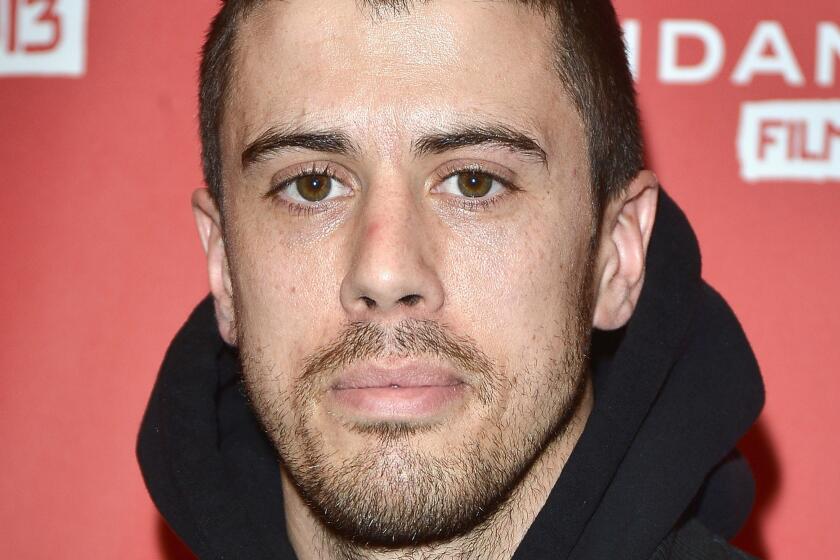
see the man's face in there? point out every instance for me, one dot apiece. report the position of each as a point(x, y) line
point(411, 283)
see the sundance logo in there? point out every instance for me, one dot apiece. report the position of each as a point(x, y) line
point(790, 140)
point(42, 37)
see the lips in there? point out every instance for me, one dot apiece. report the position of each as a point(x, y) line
point(405, 376)
point(405, 392)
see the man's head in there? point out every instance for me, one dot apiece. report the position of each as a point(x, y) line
point(407, 262)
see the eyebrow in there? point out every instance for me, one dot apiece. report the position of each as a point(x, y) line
point(276, 140)
point(477, 135)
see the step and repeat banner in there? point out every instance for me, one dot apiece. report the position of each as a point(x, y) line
point(101, 264)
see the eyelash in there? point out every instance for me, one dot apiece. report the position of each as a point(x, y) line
point(478, 205)
point(295, 208)
point(468, 204)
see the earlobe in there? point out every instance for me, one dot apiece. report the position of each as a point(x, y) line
point(625, 234)
point(208, 222)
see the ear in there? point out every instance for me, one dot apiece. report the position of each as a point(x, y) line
point(625, 234)
point(208, 221)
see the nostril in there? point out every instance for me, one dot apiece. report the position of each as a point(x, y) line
point(410, 300)
point(371, 304)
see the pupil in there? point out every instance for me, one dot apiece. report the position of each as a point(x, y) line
point(314, 187)
point(474, 185)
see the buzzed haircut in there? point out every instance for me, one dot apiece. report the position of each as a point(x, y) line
point(590, 59)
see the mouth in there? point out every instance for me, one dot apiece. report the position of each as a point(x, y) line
point(407, 392)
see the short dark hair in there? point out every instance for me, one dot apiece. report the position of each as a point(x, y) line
point(590, 60)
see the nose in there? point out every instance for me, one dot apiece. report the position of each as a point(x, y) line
point(392, 270)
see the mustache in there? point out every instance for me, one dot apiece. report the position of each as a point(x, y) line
point(361, 341)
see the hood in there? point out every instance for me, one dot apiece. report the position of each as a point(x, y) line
point(674, 392)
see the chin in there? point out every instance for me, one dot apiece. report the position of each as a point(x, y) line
point(403, 485)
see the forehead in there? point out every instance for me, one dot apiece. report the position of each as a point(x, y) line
point(334, 63)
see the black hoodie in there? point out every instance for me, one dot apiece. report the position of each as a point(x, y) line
point(653, 475)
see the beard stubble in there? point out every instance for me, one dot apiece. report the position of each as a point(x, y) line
point(393, 493)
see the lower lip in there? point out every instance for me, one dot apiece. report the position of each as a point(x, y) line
point(398, 403)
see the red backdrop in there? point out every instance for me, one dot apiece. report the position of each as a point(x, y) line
point(100, 262)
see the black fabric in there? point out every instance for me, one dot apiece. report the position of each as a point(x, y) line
point(206, 464)
point(727, 497)
point(674, 391)
point(693, 541)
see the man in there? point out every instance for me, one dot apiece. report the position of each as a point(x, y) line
point(435, 274)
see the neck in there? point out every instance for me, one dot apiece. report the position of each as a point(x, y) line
point(497, 538)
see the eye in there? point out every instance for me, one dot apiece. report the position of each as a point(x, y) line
point(471, 184)
point(312, 188)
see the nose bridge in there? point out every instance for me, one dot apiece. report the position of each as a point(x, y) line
point(392, 263)
point(388, 216)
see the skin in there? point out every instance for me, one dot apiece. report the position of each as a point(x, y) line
point(398, 241)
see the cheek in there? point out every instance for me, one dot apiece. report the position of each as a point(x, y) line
point(286, 292)
point(517, 272)
point(516, 289)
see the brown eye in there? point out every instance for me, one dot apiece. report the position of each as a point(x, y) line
point(313, 188)
point(474, 185)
